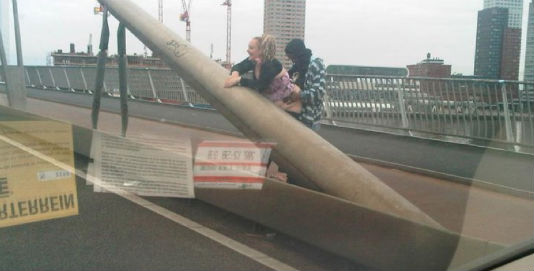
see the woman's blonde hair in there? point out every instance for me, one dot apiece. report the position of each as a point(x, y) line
point(267, 45)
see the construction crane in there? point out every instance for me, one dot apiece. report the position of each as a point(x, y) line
point(211, 51)
point(160, 11)
point(228, 4)
point(90, 45)
point(185, 18)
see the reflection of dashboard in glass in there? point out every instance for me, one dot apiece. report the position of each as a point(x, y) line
point(414, 168)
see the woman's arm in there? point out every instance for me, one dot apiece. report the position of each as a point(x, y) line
point(269, 71)
point(237, 70)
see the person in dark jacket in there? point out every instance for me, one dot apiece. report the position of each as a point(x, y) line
point(309, 74)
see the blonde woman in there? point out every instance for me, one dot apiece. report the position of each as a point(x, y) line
point(269, 76)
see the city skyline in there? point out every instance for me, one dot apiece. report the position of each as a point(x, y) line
point(378, 33)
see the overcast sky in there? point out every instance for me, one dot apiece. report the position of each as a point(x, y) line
point(353, 32)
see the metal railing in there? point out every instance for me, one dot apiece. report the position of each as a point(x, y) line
point(469, 108)
point(161, 85)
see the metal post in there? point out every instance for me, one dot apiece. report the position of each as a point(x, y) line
point(17, 86)
point(384, 102)
point(154, 94)
point(513, 88)
point(100, 68)
point(184, 91)
point(3, 68)
point(17, 34)
point(53, 79)
point(130, 95)
point(489, 119)
point(337, 175)
point(479, 109)
point(375, 111)
point(393, 97)
point(40, 79)
point(364, 98)
point(29, 82)
point(359, 109)
point(83, 80)
point(67, 79)
point(425, 118)
point(123, 77)
point(402, 108)
point(327, 108)
point(506, 112)
point(432, 102)
point(330, 98)
point(465, 103)
point(448, 107)
point(342, 108)
point(418, 114)
point(470, 128)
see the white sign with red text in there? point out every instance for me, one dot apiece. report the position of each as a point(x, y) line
point(231, 164)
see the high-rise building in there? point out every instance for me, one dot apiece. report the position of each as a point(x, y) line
point(285, 20)
point(4, 25)
point(511, 38)
point(511, 53)
point(529, 56)
point(491, 26)
point(515, 10)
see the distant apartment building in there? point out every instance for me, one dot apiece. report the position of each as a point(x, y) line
point(430, 67)
point(87, 58)
point(285, 20)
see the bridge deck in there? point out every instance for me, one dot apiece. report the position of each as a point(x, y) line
point(474, 211)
